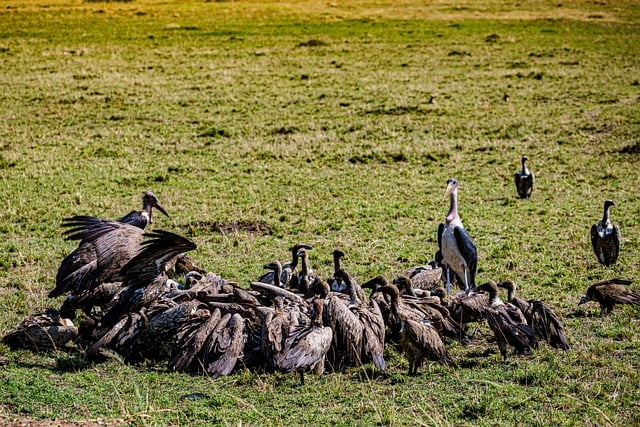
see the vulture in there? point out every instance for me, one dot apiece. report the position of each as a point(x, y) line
point(424, 276)
point(144, 275)
point(456, 246)
point(508, 324)
point(370, 317)
point(464, 308)
point(539, 316)
point(420, 340)
point(45, 331)
point(605, 238)
point(431, 308)
point(305, 276)
point(336, 284)
point(289, 269)
point(305, 346)
point(608, 293)
point(524, 180)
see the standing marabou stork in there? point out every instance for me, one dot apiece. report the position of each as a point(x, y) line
point(605, 238)
point(524, 180)
point(99, 255)
point(456, 246)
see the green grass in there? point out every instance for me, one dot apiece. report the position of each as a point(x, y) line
point(313, 121)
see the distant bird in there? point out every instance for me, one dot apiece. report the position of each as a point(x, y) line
point(458, 249)
point(508, 323)
point(420, 340)
point(539, 316)
point(608, 293)
point(524, 179)
point(605, 238)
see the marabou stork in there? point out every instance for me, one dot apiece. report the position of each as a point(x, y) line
point(456, 246)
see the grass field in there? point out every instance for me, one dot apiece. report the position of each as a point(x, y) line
point(261, 124)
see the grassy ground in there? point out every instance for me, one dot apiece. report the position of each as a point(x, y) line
point(260, 124)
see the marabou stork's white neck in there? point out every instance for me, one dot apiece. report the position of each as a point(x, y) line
point(525, 171)
point(452, 192)
point(606, 221)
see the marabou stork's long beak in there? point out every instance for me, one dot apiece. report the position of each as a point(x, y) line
point(150, 201)
point(451, 185)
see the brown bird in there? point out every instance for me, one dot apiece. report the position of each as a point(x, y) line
point(305, 347)
point(605, 238)
point(463, 308)
point(432, 309)
point(539, 316)
point(370, 317)
point(335, 284)
point(508, 324)
point(425, 277)
point(304, 278)
point(524, 180)
point(41, 332)
point(420, 340)
point(289, 269)
point(609, 293)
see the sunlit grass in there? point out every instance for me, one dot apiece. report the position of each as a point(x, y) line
point(336, 124)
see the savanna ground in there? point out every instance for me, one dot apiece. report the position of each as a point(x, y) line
point(261, 124)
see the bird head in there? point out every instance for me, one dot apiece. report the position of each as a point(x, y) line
point(150, 201)
point(585, 299)
point(299, 246)
point(402, 282)
point(452, 185)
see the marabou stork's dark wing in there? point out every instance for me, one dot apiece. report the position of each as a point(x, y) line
point(105, 247)
point(468, 250)
point(440, 231)
point(160, 248)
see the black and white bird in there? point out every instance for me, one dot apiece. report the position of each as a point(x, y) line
point(458, 250)
point(605, 238)
point(524, 179)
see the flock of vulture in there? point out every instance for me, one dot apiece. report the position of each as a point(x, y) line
point(136, 295)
